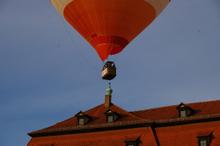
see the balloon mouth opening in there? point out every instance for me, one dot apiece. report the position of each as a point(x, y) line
point(108, 45)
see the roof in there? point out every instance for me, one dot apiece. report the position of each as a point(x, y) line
point(110, 138)
point(205, 108)
point(188, 135)
point(203, 111)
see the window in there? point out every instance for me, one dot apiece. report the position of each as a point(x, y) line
point(183, 113)
point(111, 116)
point(132, 142)
point(81, 121)
point(204, 141)
point(82, 118)
point(205, 138)
point(184, 110)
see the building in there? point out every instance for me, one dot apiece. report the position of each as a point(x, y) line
point(195, 124)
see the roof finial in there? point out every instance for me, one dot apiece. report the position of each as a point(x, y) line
point(108, 91)
point(108, 96)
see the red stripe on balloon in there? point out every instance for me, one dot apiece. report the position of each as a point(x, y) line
point(117, 42)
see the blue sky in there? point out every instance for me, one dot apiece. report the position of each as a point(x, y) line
point(48, 72)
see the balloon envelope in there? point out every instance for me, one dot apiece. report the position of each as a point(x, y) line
point(109, 25)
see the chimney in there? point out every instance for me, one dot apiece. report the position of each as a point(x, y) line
point(108, 96)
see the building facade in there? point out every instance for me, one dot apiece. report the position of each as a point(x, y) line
point(195, 124)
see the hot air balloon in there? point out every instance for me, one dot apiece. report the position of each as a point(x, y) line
point(109, 25)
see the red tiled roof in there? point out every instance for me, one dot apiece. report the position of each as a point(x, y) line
point(98, 118)
point(169, 114)
point(185, 135)
point(153, 134)
point(103, 138)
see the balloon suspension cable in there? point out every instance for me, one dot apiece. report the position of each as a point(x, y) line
point(110, 48)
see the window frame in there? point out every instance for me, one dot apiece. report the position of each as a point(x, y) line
point(184, 108)
point(81, 121)
point(111, 114)
point(112, 118)
point(82, 117)
point(133, 142)
point(206, 138)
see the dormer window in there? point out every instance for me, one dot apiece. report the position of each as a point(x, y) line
point(184, 110)
point(82, 118)
point(111, 116)
point(204, 139)
point(81, 121)
point(183, 113)
point(132, 142)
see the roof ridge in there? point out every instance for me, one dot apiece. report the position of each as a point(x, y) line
point(207, 101)
point(153, 108)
